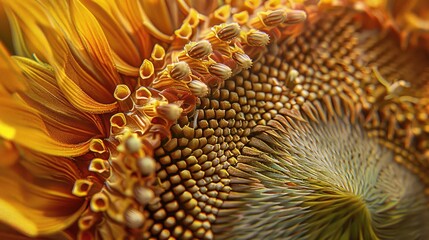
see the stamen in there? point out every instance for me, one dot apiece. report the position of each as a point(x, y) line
point(198, 88)
point(198, 50)
point(147, 165)
point(142, 95)
point(133, 144)
point(122, 94)
point(242, 59)
point(98, 165)
point(158, 56)
point(99, 202)
point(223, 13)
point(87, 221)
point(82, 187)
point(227, 32)
point(117, 123)
point(274, 18)
point(180, 71)
point(257, 38)
point(170, 111)
point(97, 145)
point(134, 218)
point(146, 71)
point(220, 70)
point(291, 78)
point(158, 53)
point(241, 17)
point(295, 17)
point(144, 195)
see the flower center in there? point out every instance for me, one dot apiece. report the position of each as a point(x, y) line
point(325, 181)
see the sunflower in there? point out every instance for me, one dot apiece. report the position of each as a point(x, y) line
point(214, 119)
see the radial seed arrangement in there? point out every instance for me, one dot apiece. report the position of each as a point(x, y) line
point(235, 119)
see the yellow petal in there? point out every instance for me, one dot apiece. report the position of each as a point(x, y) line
point(35, 207)
point(11, 79)
point(83, 78)
point(96, 45)
point(63, 120)
point(73, 60)
point(11, 216)
point(9, 233)
point(79, 98)
point(48, 167)
point(131, 17)
point(25, 19)
point(160, 18)
point(7, 131)
point(80, 47)
point(31, 132)
point(115, 34)
point(8, 152)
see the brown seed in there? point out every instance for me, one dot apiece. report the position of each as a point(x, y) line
point(165, 234)
point(172, 206)
point(178, 231)
point(172, 169)
point(170, 222)
point(156, 228)
point(185, 174)
point(176, 154)
point(230, 114)
point(175, 179)
point(160, 214)
point(188, 132)
point(186, 196)
point(190, 204)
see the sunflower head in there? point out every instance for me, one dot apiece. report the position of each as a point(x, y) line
point(214, 119)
